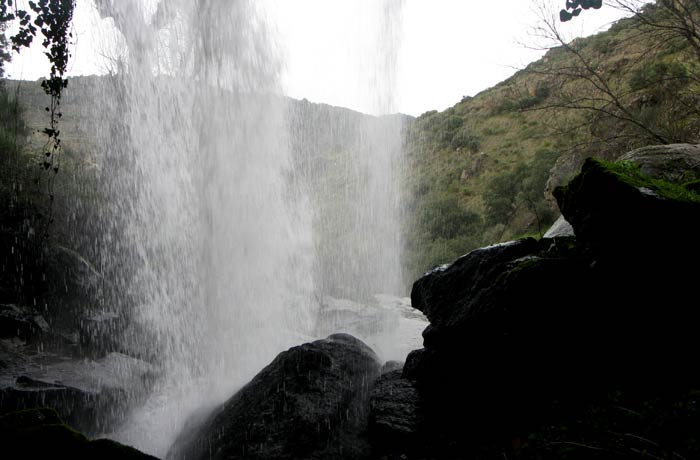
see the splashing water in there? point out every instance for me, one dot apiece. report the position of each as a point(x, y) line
point(219, 240)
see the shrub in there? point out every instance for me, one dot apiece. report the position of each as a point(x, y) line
point(669, 75)
point(465, 139)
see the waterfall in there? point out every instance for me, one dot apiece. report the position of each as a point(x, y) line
point(353, 164)
point(218, 242)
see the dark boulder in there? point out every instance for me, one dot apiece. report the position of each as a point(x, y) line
point(492, 354)
point(21, 322)
point(439, 292)
point(524, 334)
point(90, 395)
point(615, 207)
point(40, 433)
point(312, 401)
point(396, 417)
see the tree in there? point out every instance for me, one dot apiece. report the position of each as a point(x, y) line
point(648, 95)
point(673, 18)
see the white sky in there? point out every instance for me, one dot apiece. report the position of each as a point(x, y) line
point(448, 48)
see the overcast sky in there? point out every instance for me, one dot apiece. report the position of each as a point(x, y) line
point(443, 49)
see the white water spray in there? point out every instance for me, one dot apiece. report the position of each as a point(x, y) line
point(219, 242)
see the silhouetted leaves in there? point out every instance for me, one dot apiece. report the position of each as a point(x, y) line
point(53, 18)
point(576, 6)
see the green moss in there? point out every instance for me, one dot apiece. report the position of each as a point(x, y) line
point(630, 173)
point(693, 186)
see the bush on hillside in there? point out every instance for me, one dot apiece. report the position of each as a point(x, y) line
point(465, 139)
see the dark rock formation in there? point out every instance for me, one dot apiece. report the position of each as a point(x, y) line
point(88, 394)
point(678, 163)
point(40, 434)
point(396, 417)
point(530, 334)
point(21, 322)
point(616, 207)
point(312, 401)
point(492, 356)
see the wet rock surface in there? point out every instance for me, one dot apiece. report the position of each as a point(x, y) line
point(41, 433)
point(21, 322)
point(396, 417)
point(312, 401)
point(86, 393)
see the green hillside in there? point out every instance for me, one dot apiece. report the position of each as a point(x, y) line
point(475, 174)
point(480, 172)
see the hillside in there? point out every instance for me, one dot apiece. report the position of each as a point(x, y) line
point(480, 172)
point(475, 174)
point(333, 156)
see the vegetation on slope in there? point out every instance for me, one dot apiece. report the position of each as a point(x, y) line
point(482, 171)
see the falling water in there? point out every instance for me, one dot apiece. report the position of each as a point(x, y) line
point(352, 164)
point(221, 236)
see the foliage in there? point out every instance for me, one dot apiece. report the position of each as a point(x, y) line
point(464, 138)
point(647, 94)
point(446, 218)
point(523, 187)
point(534, 129)
point(576, 6)
point(671, 76)
point(53, 19)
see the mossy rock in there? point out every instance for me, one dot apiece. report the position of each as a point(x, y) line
point(675, 163)
point(615, 205)
point(41, 434)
